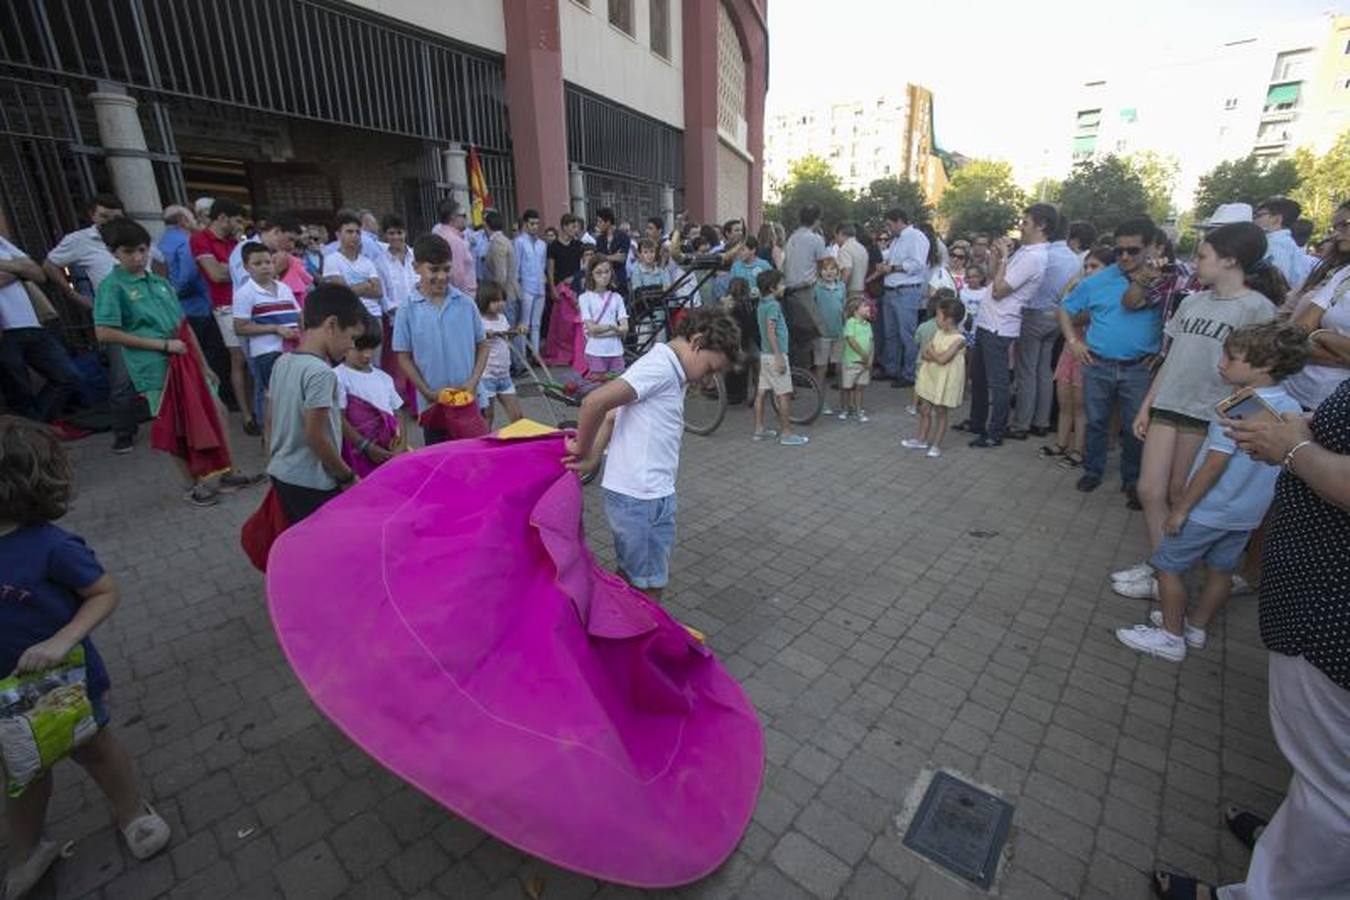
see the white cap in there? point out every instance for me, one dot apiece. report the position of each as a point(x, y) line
point(1227, 214)
point(203, 205)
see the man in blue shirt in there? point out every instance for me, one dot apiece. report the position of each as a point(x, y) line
point(1036, 343)
point(439, 335)
point(531, 272)
point(1117, 356)
point(193, 294)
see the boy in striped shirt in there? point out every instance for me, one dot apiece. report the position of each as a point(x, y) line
point(266, 316)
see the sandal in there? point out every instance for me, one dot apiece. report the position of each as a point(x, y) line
point(147, 834)
point(1179, 887)
point(1072, 459)
point(1244, 825)
point(1051, 451)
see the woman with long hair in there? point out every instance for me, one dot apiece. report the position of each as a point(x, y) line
point(1322, 308)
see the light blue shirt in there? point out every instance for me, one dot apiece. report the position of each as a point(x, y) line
point(1288, 257)
point(1239, 499)
point(1061, 264)
point(750, 272)
point(908, 252)
point(1115, 334)
point(183, 272)
point(531, 264)
point(443, 340)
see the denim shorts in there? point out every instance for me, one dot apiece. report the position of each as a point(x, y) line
point(1220, 549)
point(644, 533)
point(101, 715)
point(491, 387)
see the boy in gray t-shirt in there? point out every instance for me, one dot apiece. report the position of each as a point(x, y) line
point(304, 422)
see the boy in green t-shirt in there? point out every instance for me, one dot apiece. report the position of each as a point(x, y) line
point(775, 376)
point(855, 359)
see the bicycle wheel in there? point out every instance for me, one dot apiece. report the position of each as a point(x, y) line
point(705, 405)
point(808, 397)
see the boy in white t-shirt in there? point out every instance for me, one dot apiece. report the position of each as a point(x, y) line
point(605, 320)
point(266, 315)
point(347, 265)
point(639, 416)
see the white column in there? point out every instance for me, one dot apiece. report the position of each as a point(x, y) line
point(668, 207)
point(576, 186)
point(133, 175)
point(456, 161)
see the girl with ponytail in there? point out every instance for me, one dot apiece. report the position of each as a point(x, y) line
point(1240, 288)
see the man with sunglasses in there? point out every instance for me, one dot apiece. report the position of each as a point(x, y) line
point(1116, 357)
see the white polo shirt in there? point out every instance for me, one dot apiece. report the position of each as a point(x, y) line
point(353, 272)
point(644, 451)
point(1025, 270)
point(16, 310)
point(84, 248)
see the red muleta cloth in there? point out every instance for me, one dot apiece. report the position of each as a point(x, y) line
point(188, 425)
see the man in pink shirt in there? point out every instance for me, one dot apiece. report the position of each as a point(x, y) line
point(463, 273)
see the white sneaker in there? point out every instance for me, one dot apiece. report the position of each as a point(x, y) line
point(1154, 641)
point(913, 444)
point(934, 453)
point(1140, 589)
point(826, 410)
point(1195, 637)
point(1133, 573)
point(912, 410)
point(1241, 585)
point(863, 417)
point(844, 416)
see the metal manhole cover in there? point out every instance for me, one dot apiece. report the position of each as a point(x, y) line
point(961, 828)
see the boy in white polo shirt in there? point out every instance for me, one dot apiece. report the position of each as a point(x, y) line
point(348, 265)
point(640, 417)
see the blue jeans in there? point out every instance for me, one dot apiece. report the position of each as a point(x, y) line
point(903, 305)
point(261, 368)
point(41, 350)
point(1104, 384)
point(644, 533)
point(989, 389)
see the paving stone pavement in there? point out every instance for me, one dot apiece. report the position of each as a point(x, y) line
point(888, 614)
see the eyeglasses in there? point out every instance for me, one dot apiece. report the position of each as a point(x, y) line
point(1129, 251)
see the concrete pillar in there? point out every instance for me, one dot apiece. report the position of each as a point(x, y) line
point(128, 157)
point(668, 207)
point(455, 160)
point(534, 95)
point(576, 189)
point(699, 23)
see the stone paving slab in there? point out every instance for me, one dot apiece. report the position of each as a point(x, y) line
point(888, 613)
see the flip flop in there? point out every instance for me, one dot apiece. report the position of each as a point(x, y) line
point(1071, 460)
point(1244, 824)
point(1050, 451)
point(1179, 887)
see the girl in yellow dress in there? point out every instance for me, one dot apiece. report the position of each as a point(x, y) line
point(942, 378)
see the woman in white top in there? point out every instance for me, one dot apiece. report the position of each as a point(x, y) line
point(1323, 309)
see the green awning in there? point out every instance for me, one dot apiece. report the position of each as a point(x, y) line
point(1128, 115)
point(1281, 94)
point(1084, 144)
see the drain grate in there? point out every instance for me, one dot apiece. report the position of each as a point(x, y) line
point(961, 828)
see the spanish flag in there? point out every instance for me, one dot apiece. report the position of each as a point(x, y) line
point(479, 198)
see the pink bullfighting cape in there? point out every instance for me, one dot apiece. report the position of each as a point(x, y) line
point(447, 615)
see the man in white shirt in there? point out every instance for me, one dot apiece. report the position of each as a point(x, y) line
point(804, 248)
point(906, 266)
point(531, 274)
point(1040, 329)
point(852, 259)
point(348, 265)
point(25, 344)
point(84, 254)
point(1017, 278)
point(1276, 216)
point(395, 265)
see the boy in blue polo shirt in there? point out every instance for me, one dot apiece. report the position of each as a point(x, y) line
point(1121, 343)
point(1225, 499)
point(438, 334)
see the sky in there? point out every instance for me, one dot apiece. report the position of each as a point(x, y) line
point(1004, 73)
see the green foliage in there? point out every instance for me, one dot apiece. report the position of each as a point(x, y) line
point(1105, 192)
point(982, 197)
point(1247, 180)
point(1159, 175)
point(1324, 181)
point(810, 182)
point(871, 205)
point(1046, 190)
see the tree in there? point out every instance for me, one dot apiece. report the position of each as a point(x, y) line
point(884, 193)
point(1324, 181)
point(981, 197)
point(810, 182)
point(1247, 180)
point(1105, 192)
point(1159, 175)
point(1046, 190)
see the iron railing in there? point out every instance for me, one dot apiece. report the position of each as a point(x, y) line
point(607, 138)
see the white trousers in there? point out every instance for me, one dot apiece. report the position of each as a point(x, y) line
point(1304, 854)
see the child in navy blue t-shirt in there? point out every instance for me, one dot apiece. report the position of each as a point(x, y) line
point(53, 593)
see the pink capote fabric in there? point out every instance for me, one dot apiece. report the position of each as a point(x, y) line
point(370, 422)
point(447, 615)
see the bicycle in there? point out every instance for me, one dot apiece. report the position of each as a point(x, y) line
point(808, 396)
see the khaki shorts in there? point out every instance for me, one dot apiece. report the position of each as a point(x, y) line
point(827, 350)
point(771, 381)
point(854, 375)
point(225, 322)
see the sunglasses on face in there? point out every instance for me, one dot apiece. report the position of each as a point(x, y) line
point(1129, 251)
